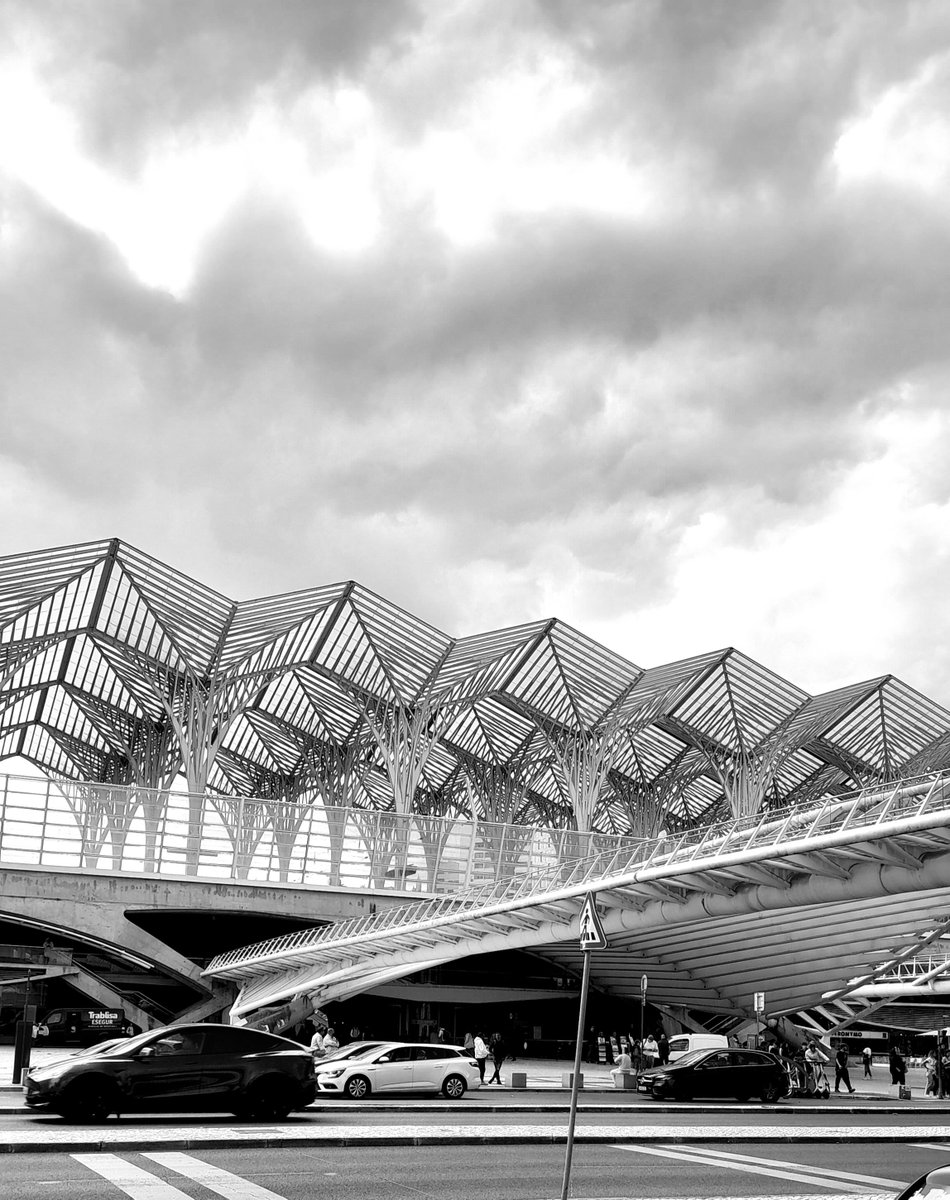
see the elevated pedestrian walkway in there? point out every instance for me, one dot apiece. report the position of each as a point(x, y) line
point(845, 880)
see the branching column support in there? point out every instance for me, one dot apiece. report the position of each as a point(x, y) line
point(582, 760)
point(405, 735)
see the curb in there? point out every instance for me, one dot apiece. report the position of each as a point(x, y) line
point(134, 1140)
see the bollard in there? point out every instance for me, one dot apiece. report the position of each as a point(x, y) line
point(519, 1079)
point(567, 1080)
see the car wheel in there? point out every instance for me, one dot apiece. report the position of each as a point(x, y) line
point(771, 1094)
point(89, 1100)
point(454, 1087)
point(358, 1087)
point(269, 1100)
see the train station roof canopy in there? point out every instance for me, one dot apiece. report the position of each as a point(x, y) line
point(116, 667)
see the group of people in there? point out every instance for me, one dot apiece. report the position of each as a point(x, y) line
point(324, 1041)
point(481, 1051)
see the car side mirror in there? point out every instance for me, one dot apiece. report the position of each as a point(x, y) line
point(935, 1185)
point(147, 1052)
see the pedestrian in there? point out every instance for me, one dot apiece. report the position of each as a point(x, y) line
point(841, 1070)
point(649, 1050)
point(898, 1067)
point(316, 1042)
point(624, 1062)
point(867, 1056)
point(930, 1065)
point(468, 1045)
point(480, 1050)
point(355, 1034)
point(331, 1043)
point(663, 1049)
point(814, 1058)
point(496, 1045)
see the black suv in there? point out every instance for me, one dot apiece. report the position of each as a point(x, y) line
point(181, 1068)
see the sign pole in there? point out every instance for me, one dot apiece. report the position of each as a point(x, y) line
point(591, 938)
point(575, 1079)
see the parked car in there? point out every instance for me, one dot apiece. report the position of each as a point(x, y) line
point(82, 1026)
point(400, 1067)
point(718, 1074)
point(181, 1068)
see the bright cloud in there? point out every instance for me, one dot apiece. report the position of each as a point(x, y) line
point(628, 314)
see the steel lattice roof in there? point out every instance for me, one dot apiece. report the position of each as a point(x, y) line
point(101, 646)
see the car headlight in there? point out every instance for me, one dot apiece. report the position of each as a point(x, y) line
point(335, 1074)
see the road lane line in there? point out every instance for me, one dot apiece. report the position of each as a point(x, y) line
point(215, 1179)
point(836, 1172)
point(746, 1168)
point(136, 1183)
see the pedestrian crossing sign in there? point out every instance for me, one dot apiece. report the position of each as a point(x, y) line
point(592, 932)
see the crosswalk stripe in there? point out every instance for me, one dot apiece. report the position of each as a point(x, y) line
point(827, 1172)
point(748, 1168)
point(217, 1180)
point(136, 1183)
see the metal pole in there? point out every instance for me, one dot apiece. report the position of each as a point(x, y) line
point(581, 1018)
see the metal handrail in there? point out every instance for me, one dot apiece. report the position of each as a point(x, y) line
point(861, 810)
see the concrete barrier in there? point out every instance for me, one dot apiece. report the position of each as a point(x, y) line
point(567, 1080)
point(625, 1081)
point(519, 1079)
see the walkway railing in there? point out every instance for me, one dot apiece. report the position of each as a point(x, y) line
point(92, 827)
point(697, 848)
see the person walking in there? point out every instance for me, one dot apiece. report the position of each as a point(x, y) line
point(480, 1050)
point(897, 1066)
point(841, 1070)
point(867, 1056)
point(468, 1045)
point(496, 1045)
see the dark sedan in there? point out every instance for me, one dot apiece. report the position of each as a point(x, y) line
point(718, 1074)
point(181, 1068)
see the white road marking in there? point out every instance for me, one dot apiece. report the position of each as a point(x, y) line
point(219, 1181)
point(850, 1176)
point(139, 1184)
point(748, 1168)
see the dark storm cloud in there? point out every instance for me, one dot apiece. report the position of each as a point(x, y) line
point(133, 70)
point(576, 390)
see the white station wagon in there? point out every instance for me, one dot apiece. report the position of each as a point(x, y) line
point(400, 1067)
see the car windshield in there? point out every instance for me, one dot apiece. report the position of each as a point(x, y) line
point(694, 1056)
point(357, 1050)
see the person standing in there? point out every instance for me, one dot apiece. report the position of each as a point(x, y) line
point(897, 1066)
point(841, 1070)
point(468, 1045)
point(663, 1048)
point(316, 1042)
point(867, 1056)
point(814, 1058)
point(480, 1050)
point(496, 1045)
point(331, 1043)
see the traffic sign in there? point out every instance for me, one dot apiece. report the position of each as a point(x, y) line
point(592, 932)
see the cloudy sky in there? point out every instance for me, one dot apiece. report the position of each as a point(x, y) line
point(628, 312)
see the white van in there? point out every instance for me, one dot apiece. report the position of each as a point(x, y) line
point(683, 1043)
